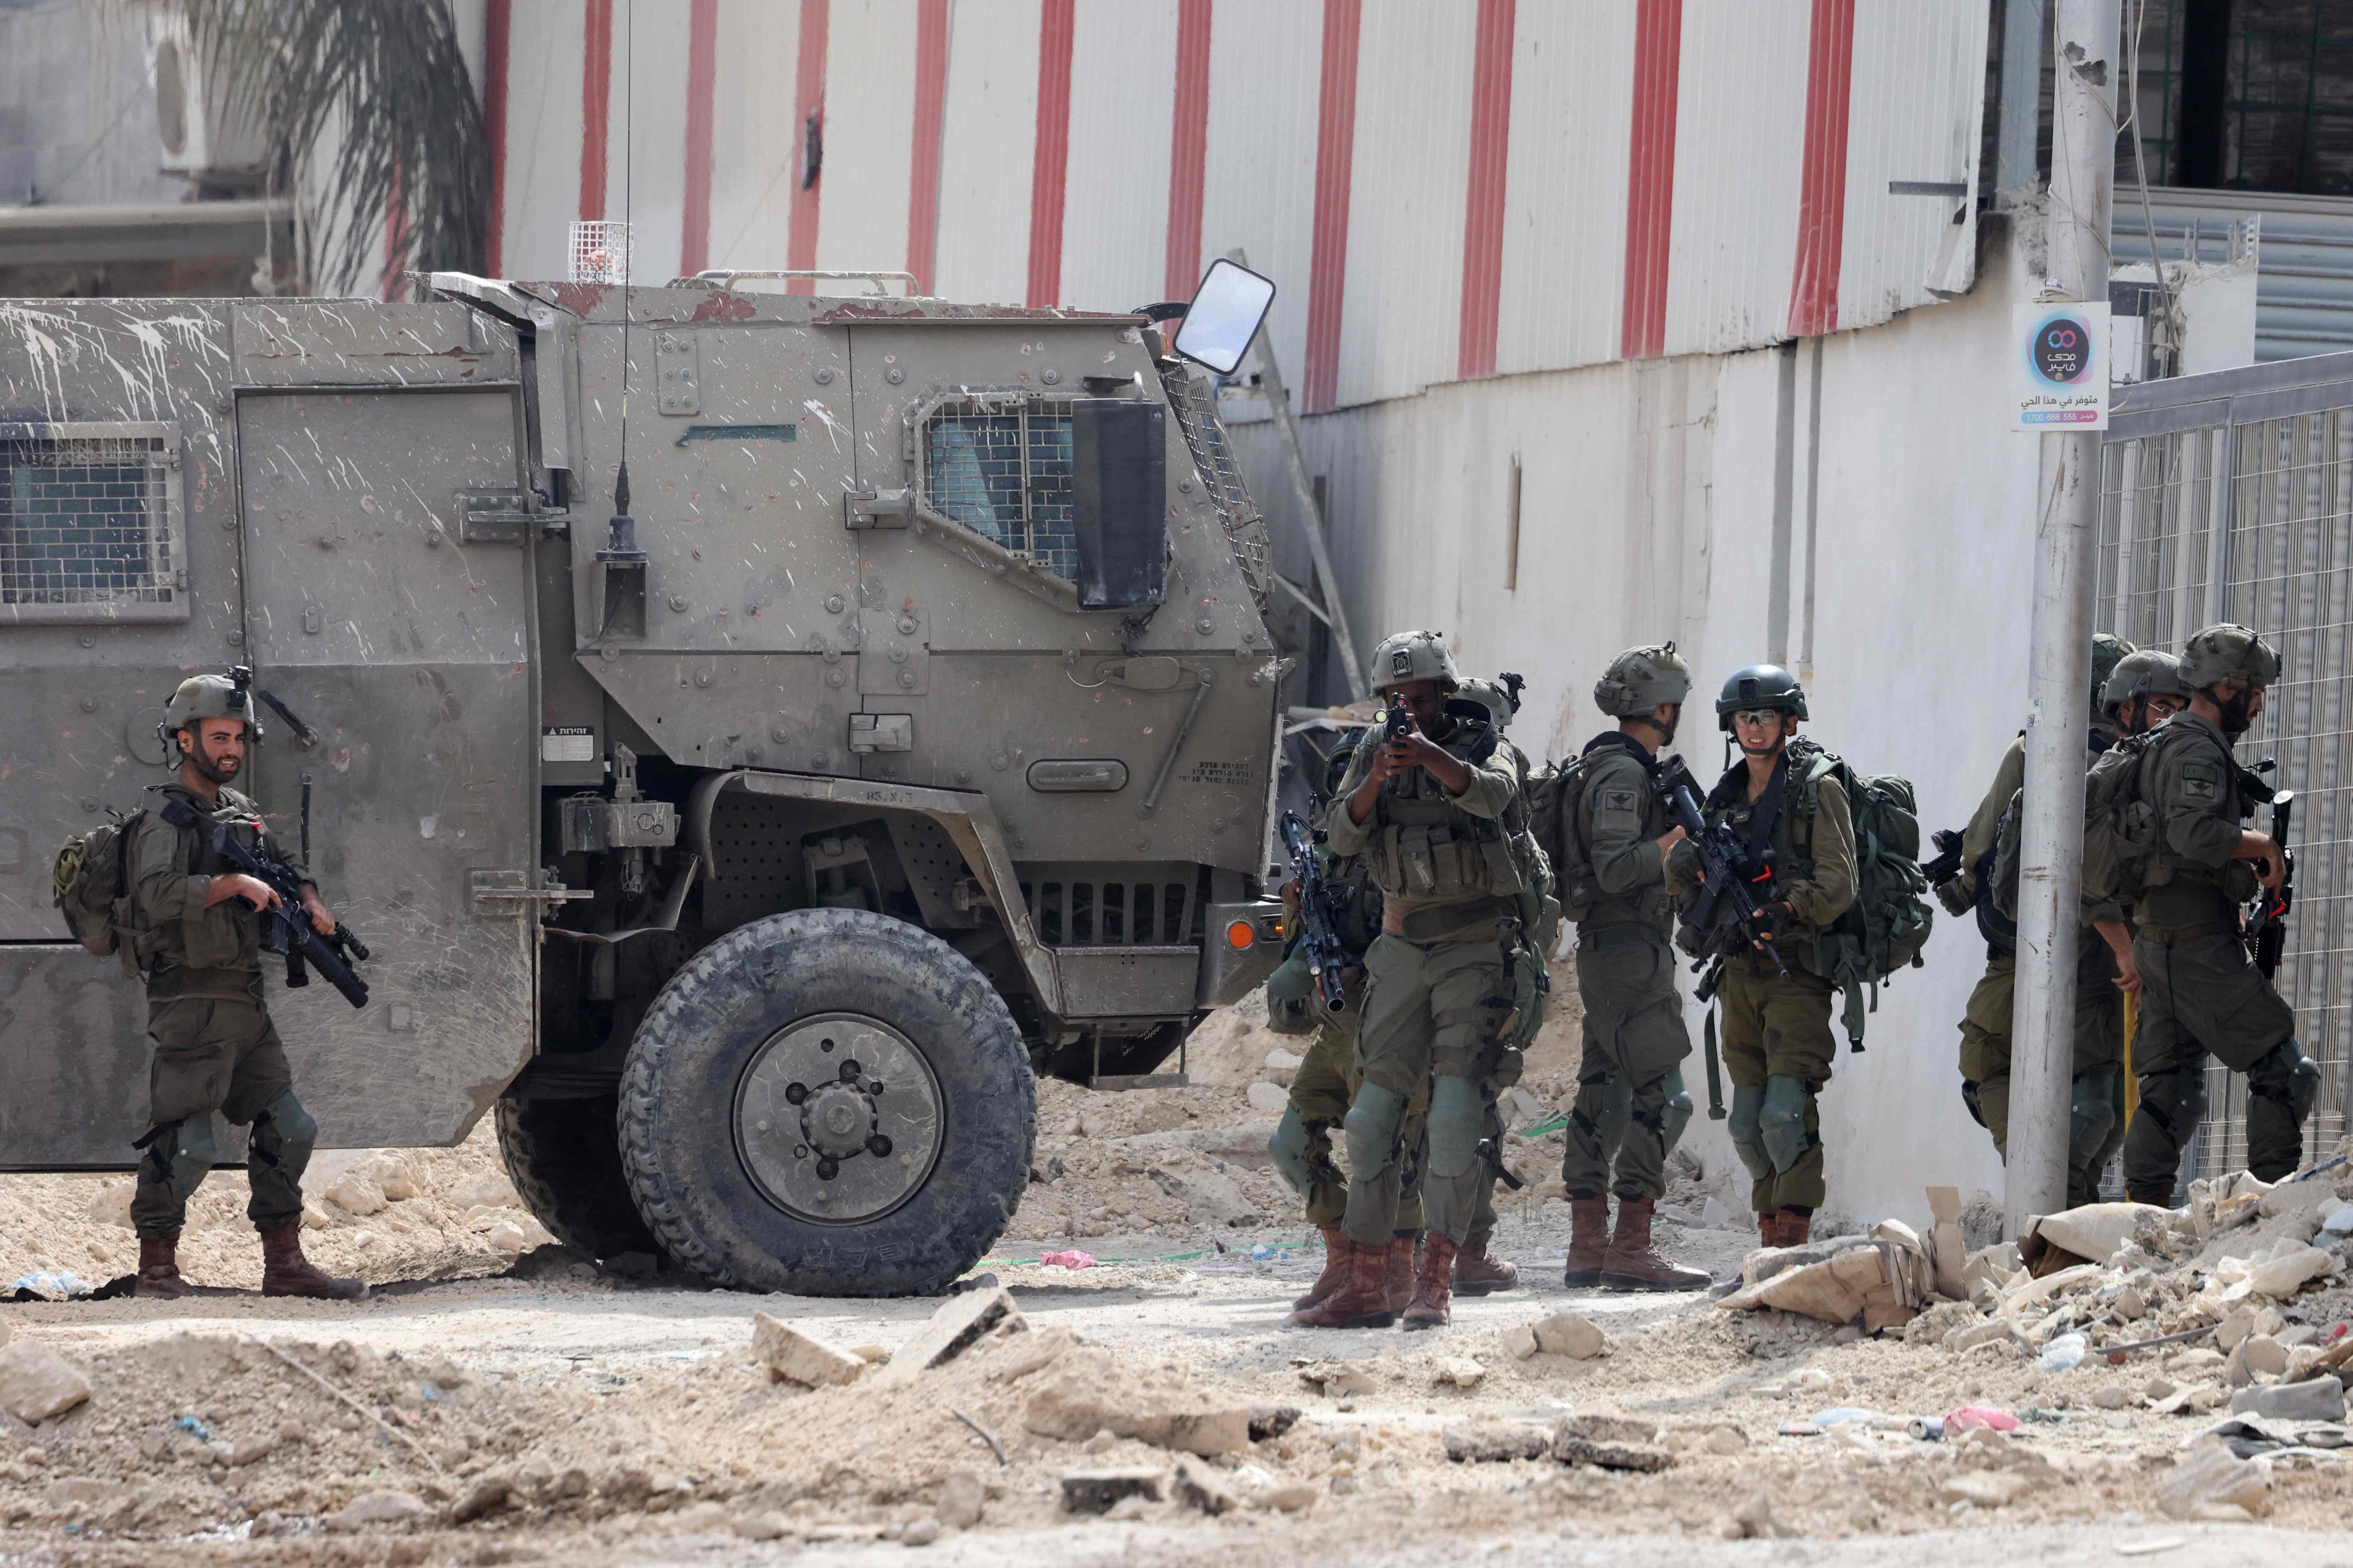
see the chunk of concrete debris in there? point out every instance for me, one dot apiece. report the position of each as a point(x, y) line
point(1459, 1372)
point(2210, 1474)
point(1087, 1392)
point(2321, 1399)
point(791, 1356)
point(961, 1501)
point(1565, 1334)
point(1931, 1326)
point(37, 1383)
point(112, 1204)
point(1199, 1487)
point(2263, 1355)
point(383, 1509)
point(1833, 1291)
point(1338, 1379)
point(1095, 1492)
point(1211, 1197)
point(1292, 1497)
point(2113, 1397)
point(1611, 1441)
point(1280, 1060)
point(955, 1328)
point(356, 1195)
point(1494, 1442)
point(488, 1492)
point(1518, 1341)
point(1267, 1421)
point(1983, 1488)
point(1031, 1352)
point(1271, 1098)
point(2096, 1232)
point(1946, 1243)
point(2283, 1276)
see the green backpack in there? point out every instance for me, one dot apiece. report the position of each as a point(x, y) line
point(1887, 925)
point(2119, 830)
point(91, 888)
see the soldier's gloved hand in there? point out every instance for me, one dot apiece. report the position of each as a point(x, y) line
point(1773, 920)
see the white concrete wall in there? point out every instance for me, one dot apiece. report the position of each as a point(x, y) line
point(1648, 511)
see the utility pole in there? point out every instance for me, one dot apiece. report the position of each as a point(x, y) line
point(2088, 79)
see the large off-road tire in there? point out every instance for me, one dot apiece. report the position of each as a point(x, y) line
point(565, 1156)
point(828, 1103)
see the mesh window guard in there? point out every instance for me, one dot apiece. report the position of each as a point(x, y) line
point(91, 527)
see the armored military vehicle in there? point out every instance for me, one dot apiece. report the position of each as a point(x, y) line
point(743, 847)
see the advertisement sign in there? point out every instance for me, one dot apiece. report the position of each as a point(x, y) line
point(2059, 366)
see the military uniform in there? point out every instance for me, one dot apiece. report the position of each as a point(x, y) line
point(2096, 1125)
point(1778, 1047)
point(2199, 992)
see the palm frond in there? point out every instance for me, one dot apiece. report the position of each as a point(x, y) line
point(381, 89)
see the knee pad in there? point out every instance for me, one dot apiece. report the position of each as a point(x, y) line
point(2176, 1098)
point(1372, 1129)
point(1748, 1134)
point(1677, 1114)
point(1781, 1120)
point(2285, 1075)
point(284, 1135)
point(1288, 1148)
point(1457, 1116)
point(184, 1155)
point(2092, 1108)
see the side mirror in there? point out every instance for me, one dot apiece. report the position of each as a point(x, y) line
point(1119, 505)
point(1225, 315)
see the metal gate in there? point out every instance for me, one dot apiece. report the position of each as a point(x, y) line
point(2229, 497)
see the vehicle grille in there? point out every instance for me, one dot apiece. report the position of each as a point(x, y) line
point(1114, 906)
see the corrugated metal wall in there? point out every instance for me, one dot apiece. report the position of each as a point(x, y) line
point(1764, 194)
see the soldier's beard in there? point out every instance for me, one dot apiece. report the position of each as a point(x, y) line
point(2236, 719)
point(215, 770)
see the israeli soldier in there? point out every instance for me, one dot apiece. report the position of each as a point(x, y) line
point(2198, 990)
point(2096, 1123)
point(1615, 834)
point(197, 935)
point(1783, 798)
point(1426, 811)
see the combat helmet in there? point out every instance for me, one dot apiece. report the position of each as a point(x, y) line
point(1414, 655)
point(2228, 655)
point(2146, 672)
point(2107, 650)
point(1491, 697)
point(212, 697)
point(1641, 679)
point(1759, 686)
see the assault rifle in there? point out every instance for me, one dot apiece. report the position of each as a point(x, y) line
point(2267, 930)
point(1320, 914)
point(1397, 723)
point(287, 928)
point(1729, 916)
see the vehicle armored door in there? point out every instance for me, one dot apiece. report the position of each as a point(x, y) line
point(388, 614)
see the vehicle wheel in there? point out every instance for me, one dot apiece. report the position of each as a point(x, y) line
point(565, 1159)
point(828, 1102)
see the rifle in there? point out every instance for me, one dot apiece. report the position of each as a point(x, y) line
point(1727, 900)
point(2267, 930)
point(287, 928)
point(1944, 873)
point(1397, 723)
point(1320, 914)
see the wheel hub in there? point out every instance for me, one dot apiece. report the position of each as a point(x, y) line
point(837, 1118)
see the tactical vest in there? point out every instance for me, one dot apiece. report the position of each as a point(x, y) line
point(1429, 850)
point(161, 952)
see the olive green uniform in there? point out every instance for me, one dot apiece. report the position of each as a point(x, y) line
point(2096, 1123)
point(2199, 992)
point(216, 1049)
point(1436, 990)
point(1777, 1047)
point(1634, 1035)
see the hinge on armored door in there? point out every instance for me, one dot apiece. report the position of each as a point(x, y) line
point(493, 517)
point(498, 893)
point(877, 509)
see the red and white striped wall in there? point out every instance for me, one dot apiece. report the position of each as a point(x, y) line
point(1443, 189)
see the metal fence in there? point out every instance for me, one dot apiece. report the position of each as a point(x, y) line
point(2229, 497)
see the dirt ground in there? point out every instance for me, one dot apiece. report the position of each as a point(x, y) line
point(495, 1401)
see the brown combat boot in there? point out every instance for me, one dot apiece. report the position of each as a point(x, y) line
point(1769, 1228)
point(285, 1272)
point(1398, 1261)
point(1795, 1227)
point(1432, 1307)
point(1588, 1239)
point(1634, 1262)
point(159, 1268)
point(1361, 1301)
point(1336, 1266)
point(1480, 1273)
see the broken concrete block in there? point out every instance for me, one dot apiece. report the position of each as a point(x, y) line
point(1271, 1098)
point(1211, 1197)
point(490, 1492)
point(1601, 1427)
point(1460, 1372)
point(961, 1501)
point(1518, 1341)
point(1983, 1488)
point(1495, 1442)
point(1946, 1247)
point(2209, 1473)
point(2284, 1276)
point(2095, 1231)
point(2320, 1399)
point(355, 1195)
point(2234, 1328)
point(37, 1383)
point(1931, 1326)
point(1267, 1421)
point(1570, 1447)
point(1087, 1392)
point(1027, 1354)
point(1199, 1487)
point(791, 1356)
point(381, 1510)
point(1095, 1492)
point(1337, 1380)
point(2263, 1355)
point(1565, 1334)
point(1288, 1499)
point(2113, 1396)
point(955, 1328)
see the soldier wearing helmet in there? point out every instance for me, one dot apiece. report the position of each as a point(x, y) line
point(2199, 992)
point(2096, 1121)
point(1782, 797)
point(1426, 811)
point(1612, 837)
point(197, 944)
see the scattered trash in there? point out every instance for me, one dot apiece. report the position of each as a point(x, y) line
point(1971, 1417)
point(2064, 1352)
point(2150, 1548)
point(50, 1285)
point(1927, 1428)
point(204, 1434)
point(1069, 1258)
point(1262, 1253)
